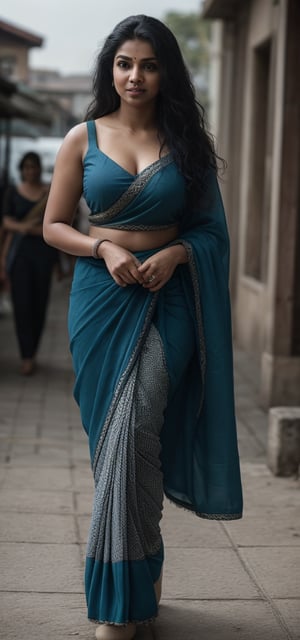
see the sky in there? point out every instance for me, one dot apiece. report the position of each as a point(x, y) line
point(74, 30)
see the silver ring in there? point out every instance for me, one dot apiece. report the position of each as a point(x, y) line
point(151, 278)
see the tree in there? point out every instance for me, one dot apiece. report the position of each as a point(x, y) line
point(193, 36)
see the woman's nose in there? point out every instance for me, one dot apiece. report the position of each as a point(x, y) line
point(136, 74)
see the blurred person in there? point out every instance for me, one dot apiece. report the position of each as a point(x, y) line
point(149, 315)
point(26, 258)
point(5, 303)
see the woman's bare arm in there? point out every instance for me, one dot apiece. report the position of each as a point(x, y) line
point(65, 192)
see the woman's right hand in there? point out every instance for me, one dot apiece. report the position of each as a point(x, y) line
point(121, 264)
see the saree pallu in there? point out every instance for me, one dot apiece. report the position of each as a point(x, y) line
point(154, 382)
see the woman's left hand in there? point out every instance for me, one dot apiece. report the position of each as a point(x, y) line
point(159, 268)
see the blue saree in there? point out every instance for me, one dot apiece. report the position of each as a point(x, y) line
point(154, 383)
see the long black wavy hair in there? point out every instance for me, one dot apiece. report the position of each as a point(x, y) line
point(180, 117)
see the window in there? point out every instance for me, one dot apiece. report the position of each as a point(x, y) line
point(8, 66)
point(257, 237)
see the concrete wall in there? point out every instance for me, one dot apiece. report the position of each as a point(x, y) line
point(258, 133)
point(20, 55)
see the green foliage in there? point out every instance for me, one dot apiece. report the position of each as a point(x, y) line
point(193, 36)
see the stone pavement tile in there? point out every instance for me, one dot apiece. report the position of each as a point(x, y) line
point(37, 454)
point(84, 502)
point(53, 432)
point(78, 435)
point(28, 501)
point(83, 478)
point(206, 573)
point(60, 454)
point(6, 419)
point(83, 526)
point(290, 611)
point(277, 569)
point(256, 419)
point(40, 567)
point(28, 527)
point(5, 444)
point(32, 456)
point(44, 616)
point(248, 369)
point(217, 620)
point(30, 408)
point(255, 531)
point(83, 556)
point(57, 419)
point(2, 476)
point(265, 493)
point(249, 448)
point(243, 399)
point(80, 453)
point(56, 479)
point(20, 450)
point(183, 529)
point(27, 429)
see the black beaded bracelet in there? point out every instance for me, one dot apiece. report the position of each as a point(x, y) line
point(96, 247)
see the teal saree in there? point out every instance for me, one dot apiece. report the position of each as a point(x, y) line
point(154, 383)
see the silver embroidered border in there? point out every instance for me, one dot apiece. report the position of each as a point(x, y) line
point(202, 514)
point(142, 227)
point(135, 188)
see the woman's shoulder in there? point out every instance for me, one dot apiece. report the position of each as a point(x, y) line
point(74, 142)
point(77, 134)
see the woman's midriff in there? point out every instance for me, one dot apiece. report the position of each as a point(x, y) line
point(135, 240)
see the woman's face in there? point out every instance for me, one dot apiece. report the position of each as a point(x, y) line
point(31, 171)
point(136, 73)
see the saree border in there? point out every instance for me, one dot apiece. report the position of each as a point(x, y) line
point(203, 514)
point(135, 188)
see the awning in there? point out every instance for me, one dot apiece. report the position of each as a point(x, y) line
point(18, 101)
point(221, 9)
point(19, 128)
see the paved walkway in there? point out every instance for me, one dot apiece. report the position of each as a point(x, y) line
point(222, 581)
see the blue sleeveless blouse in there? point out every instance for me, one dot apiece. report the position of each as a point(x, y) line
point(160, 204)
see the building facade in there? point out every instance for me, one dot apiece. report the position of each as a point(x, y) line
point(256, 117)
point(15, 45)
point(72, 92)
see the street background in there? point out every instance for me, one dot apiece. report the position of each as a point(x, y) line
point(221, 581)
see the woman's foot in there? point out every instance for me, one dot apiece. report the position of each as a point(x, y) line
point(158, 587)
point(27, 367)
point(115, 632)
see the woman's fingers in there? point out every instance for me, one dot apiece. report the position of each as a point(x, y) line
point(127, 276)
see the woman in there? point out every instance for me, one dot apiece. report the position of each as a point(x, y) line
point(149, 316)
point(26, 258)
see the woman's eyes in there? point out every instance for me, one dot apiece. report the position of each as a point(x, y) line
point(122, 64)
point(148, 66)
